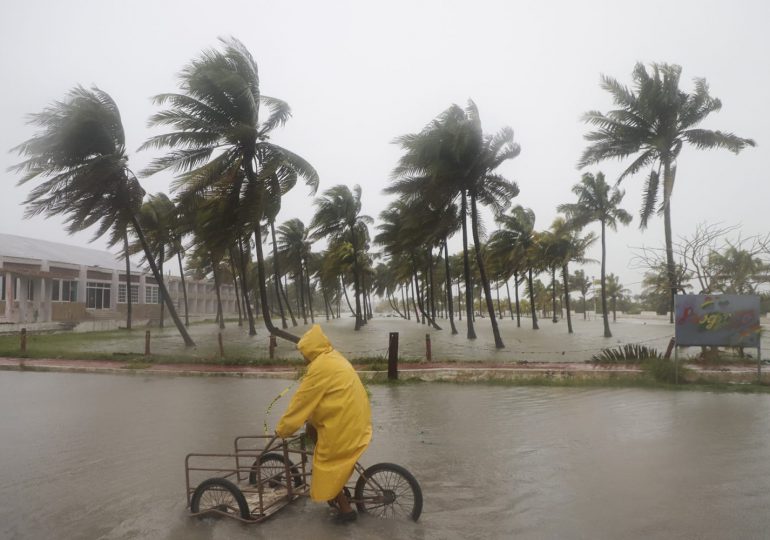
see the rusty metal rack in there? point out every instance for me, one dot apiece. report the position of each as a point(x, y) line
point(260, 477)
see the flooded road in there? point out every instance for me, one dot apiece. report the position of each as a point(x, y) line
point(102, 456)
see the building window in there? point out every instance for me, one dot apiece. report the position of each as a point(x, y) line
point(64, 290)
point(122, 293)
point(98, 295)
point(151, 294)
point(2, 288)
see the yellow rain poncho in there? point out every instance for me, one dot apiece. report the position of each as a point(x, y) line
point(332, 397)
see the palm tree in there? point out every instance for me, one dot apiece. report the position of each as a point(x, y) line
point(580, 282)
point(597, 202)
point(653, 122)
point(81, 153)
point(567, 246)
point(517, 231)
point(452, 159)
point(295, 248)
point(220, 139)
point(615, 290)
point(338, 217)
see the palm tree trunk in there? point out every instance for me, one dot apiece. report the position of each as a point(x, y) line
point(299, 283)
point(516, 293)
point(220, 311)
point(356, 283)
point(467, 268)
point(553, 293)
point(668, 181)
point(160, 269)
point(244, 288)
point(532, 302)
point(497, 292)
point(508, 292)
point(128, 282)
point(363, 299)
point(414, 301)
point(432, 288)
point(421, 305)
point(262, 278)
point(607, 332)
point(345, 290)
point(309, 295)
point(484, 281)
point(614, 306)
point(235, 286)
point(459, 301)
point(284, 288)
point(450, 306)
point(184, 289)
point(584, 307)
point(277, 278)
point(406, 306)
point(565, 276)
point(148, 255)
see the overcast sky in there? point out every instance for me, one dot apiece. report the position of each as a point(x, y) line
point(358, 74)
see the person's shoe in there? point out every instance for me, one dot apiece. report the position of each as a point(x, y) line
point(346, 517)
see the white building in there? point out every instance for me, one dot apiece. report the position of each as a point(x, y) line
point(43, 281)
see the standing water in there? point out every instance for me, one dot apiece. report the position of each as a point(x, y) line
point(101, 456)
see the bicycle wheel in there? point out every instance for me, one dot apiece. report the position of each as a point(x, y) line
point(388, 490)
point(220, 495)
point(272, 470)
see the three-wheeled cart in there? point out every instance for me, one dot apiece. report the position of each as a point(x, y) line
point(265, 473)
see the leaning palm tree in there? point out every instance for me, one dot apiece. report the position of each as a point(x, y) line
point(80, 152)
point(220, 138)
point(653, 122)
point(597, 202)
point(338, 217)
point(615, 290)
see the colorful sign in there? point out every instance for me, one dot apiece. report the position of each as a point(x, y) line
point(727, 320)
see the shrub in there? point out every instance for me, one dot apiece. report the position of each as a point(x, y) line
point(630, 353)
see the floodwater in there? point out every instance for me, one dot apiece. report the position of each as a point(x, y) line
point(102, 456)
point(551, 343)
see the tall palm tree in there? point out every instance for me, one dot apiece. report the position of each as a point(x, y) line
point(653, 122)
point(580, 282)
point(517, 231)
point(452, 159)
point(295, 248)
point(615, 290)
point(597, 202)
point(567, 245)
point(220, 138)
point(80, 152)
point(338, 217)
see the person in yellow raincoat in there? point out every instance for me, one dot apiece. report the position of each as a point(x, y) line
point(333, 399)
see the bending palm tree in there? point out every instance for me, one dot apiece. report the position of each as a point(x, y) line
point(653, 122)
point(338, 217)
point(81, 153)
point(597, 202)
point(221, 140)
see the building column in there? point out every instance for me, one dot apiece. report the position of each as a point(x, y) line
point(142, 288)
point(82, 279)
point(114, 290)
point(23, 298)
point(44, 300)
point(9, 296)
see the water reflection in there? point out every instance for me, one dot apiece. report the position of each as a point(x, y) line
point(97, 456)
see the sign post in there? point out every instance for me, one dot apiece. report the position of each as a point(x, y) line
point(726, 320)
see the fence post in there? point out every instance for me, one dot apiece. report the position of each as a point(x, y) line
point(393, 356)
point(272, 346)
point(23, 340)
point(221, 346)
point(428, 352)
point(670, 347)
point(147, 343)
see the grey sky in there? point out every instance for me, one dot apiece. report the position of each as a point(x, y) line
point(358, 74)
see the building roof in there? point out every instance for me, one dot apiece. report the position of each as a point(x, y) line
point(53, 252)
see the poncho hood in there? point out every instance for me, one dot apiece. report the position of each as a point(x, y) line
point(314, 343)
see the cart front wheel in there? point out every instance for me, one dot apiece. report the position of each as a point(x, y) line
point(217, 496)
point(388, 490)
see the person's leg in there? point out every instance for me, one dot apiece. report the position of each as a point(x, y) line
point(343, 504)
